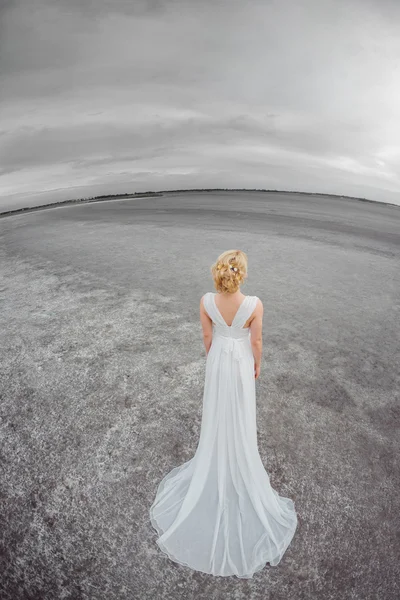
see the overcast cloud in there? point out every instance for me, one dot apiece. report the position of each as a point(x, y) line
point(108, 96)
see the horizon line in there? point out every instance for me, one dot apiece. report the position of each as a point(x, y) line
point(89, 199)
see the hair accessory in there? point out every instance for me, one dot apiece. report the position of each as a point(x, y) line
point(219, 267)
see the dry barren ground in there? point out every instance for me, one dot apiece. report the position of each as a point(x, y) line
point(102, 369)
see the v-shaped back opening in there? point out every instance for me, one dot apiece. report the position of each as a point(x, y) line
point(236, 314)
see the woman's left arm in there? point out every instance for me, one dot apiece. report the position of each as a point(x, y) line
point(206, 324)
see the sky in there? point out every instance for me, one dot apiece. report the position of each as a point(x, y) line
point(121, 96)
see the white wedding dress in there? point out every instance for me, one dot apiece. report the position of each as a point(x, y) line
point(217, 513)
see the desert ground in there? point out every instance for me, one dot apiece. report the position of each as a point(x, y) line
point(101, 383)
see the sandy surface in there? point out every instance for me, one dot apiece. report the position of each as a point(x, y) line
point(102, 376)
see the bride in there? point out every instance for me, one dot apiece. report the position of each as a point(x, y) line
point(218, 513)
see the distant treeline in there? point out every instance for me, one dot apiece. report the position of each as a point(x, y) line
point(276, 192)
point(76, 200)
point(161, 193)
point(121, 195)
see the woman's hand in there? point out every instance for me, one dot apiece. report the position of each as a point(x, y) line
point(257, 369)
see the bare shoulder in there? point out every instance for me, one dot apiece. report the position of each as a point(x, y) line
point(202, 299)
point(256, 315)
point(259, 309)
point(203, 302)
point(205, 318)
point(258, 312)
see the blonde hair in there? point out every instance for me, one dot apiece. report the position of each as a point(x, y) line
point(229, 270)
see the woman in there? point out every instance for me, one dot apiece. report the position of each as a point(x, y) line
point(217, 513)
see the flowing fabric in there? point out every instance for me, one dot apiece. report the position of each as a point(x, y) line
point(217, 513)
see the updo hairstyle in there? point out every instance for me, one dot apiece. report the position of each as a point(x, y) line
point(229, 271)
